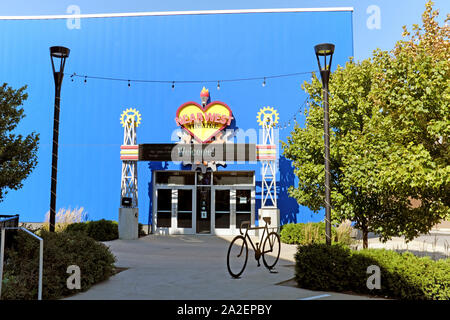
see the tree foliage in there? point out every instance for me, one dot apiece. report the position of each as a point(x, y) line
point(17, 153)
point(390, 128)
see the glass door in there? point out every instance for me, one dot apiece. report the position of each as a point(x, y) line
point(164, 208)
point(243, 206)
point(222, 209)
point(203, 209)
point(184, 213)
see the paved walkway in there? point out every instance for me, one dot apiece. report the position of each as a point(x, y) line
point(436, 244)
point(189, 267)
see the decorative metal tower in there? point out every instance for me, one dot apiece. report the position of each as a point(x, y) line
point(266, 153)
point(130, 120)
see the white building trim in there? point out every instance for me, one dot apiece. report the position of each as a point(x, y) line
point(173, 13)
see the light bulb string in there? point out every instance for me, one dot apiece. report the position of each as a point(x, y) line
point(190, 81)
point(264, 78)
point(294, 116)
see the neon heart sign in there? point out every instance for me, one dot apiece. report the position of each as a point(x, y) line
point(203, 123)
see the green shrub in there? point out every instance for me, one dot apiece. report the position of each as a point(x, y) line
point(101, 230)
point(76, 227)
point(291, 233)
point(141, 232)
point(306, 233)
point(403, 276)
point(61, 249)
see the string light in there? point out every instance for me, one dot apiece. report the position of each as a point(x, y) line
point(287, 124)
point(278, 126)
point(264, 78)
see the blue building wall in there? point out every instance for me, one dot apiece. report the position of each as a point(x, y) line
point(173, 48)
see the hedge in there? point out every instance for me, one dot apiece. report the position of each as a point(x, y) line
point(305, 233)
point(100, 230)
point(403, 276)
point(61, 249)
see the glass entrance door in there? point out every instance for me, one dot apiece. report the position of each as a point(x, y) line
point(243, 206)
point(222, 209)
point(203, 209)
point(164, 208)
point(184, 208)
point(187, 202)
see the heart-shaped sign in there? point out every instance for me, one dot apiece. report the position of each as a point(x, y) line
point(203, 123)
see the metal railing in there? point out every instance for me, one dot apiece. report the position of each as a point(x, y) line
point(7, 221)
point(41, 256)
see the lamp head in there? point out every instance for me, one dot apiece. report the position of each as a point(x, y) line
point(59, 52)
point(324, 50)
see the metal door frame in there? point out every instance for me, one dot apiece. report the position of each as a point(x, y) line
point(174, 208)
point(233, 230)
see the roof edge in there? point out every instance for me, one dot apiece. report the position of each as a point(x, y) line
point(173, 13)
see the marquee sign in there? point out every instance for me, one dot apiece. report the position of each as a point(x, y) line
point(203, 122)
point(197, 152)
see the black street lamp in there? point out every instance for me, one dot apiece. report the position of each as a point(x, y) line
point(56, 53)
point(326, 50)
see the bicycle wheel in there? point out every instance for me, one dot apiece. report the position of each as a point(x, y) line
point(271, 250)
point(237, 256)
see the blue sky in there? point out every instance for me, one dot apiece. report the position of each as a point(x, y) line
point(392, 14)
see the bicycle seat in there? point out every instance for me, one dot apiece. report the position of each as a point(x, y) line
point(267, 220)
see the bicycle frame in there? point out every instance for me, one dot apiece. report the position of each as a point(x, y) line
point(257, 249)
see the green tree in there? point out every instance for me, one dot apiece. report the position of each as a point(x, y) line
point(389, 142)
point(413, 91)
point(17, 153)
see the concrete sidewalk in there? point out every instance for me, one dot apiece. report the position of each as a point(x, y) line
point(436, 244)
point(193, 267)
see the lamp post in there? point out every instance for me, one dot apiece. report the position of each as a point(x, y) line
point(57, 54)
point(326, 50)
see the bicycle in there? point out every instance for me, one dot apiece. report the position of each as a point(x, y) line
point(238, 250)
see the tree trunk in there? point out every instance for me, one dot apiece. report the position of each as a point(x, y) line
point(365, 238)
point(365, 234)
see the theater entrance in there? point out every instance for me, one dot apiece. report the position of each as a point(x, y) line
point(186, 202)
